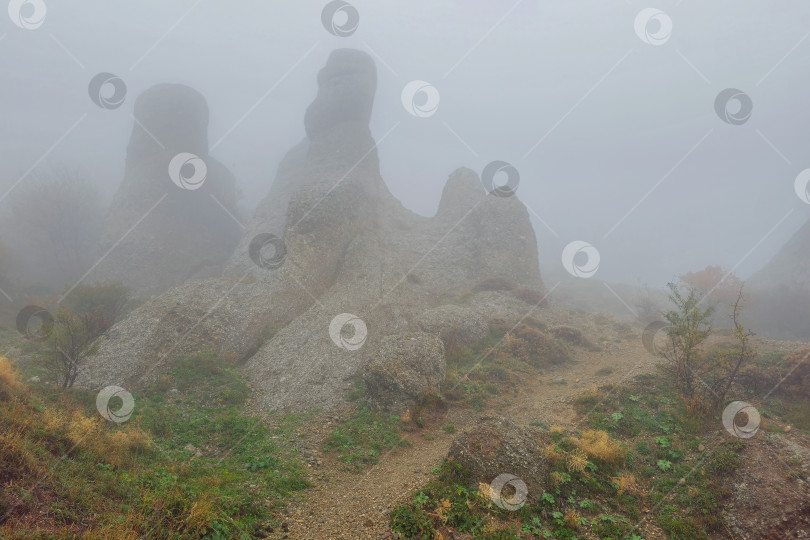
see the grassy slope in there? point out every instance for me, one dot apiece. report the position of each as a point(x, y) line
point(188, 464)
point(640, 455)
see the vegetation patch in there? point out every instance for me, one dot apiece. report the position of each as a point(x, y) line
point(187, 464)
point(359, 441)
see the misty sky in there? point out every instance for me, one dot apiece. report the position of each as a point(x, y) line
point(606, 116)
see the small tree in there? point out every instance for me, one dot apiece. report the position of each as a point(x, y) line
point(705, 375)
point(52, 223)
point(689, 328)
point(72, 339)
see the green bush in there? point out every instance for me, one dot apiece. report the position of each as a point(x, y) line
point(412, 522)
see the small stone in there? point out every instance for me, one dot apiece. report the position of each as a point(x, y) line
point(34, 379)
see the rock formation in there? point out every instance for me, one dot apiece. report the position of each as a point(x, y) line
point(157, 233)
point(349, 247)
point(779, 294)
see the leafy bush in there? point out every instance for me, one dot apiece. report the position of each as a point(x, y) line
point(412, 522)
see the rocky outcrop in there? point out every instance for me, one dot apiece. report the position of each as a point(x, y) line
point(158, 234)
point(349, 247)
point(779, 294)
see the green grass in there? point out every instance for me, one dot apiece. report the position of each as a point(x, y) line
point(360, 439)
point(669, 466)
point(189, 464)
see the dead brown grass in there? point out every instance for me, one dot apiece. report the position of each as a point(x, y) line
point(598, 445)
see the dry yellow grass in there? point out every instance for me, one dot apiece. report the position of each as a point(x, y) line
point(625, 484)
point(571, 519)
point(576, 460)
point(201, 513)
point(8, 377)
point(598, 444)
point(556, 478)
point(552, 453)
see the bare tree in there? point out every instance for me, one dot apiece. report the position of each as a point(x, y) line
point(72, 339)
point(53, 221)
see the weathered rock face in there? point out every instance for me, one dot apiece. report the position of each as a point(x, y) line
point(351, 248)
point(498, 446)
point(779, 294)
point(160, 234)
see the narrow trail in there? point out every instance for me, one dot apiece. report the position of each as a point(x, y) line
point(348, 505)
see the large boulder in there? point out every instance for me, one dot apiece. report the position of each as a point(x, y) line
point(497, 446)
point(405, 368)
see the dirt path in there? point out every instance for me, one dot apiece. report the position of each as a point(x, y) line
point(347, 505)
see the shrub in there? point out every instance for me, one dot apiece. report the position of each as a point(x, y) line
point(535, 347)
point(569, 334)
point(412, 522)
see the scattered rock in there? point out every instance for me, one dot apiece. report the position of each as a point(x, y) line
point(497, 446)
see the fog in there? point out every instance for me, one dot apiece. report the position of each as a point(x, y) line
point(617, 141)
